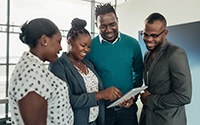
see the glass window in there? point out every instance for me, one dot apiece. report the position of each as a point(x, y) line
point(2, 110)
point(3, 11)
point(16, 48)
point(2, 81)
point(3, 48)
point(61, 12)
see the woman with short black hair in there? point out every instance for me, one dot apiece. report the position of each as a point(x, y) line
point(36, 96)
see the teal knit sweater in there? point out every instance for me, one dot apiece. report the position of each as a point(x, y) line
point(119, 64)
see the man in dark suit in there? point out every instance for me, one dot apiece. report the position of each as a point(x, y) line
point(167, 76)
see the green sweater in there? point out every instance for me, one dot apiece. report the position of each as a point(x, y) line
point(119, 64)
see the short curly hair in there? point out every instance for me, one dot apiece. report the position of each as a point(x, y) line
point(156, 16)
point(102, 9)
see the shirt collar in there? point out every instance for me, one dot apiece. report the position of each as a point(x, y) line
point(101, 39)
point(30, 55)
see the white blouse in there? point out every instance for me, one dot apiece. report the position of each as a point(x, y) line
point(91, 84)
point(31, 75)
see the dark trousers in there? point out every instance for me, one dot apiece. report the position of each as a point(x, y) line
point(121, 116)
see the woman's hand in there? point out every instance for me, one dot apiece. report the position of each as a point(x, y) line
point(111, 94)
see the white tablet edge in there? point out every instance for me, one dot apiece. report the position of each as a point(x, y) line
point(128, 95)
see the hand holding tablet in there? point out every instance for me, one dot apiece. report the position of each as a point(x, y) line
point(128, 95)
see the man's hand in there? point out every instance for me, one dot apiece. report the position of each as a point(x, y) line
point(127, 102)
point(143, 97)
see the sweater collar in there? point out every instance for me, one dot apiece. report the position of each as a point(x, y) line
point(101, 39)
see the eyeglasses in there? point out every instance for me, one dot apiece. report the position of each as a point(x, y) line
point(151, 35)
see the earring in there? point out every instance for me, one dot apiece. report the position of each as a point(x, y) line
point(45, 44)
point(69, 47)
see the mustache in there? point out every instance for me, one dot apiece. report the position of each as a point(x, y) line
point(151, 42)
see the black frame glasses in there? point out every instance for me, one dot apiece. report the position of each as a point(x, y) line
point(151, 35)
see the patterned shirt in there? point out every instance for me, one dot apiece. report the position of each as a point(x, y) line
point(91, 84)
point(31, 75)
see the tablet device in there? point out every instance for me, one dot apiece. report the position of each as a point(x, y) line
point(128, 95)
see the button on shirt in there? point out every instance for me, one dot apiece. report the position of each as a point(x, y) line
point(31, 75)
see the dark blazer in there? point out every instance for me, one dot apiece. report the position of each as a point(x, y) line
point(169, 82)
point(80, 100)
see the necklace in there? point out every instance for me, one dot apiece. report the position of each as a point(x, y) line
point(75, 61)
point(86, 70)
point(83, 70)
point(78, 62)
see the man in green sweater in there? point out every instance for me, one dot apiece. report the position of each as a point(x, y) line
point(117, 59)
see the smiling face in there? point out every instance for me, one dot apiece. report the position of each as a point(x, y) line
point(108, 26)
point(80, 47)
point(53, 47)
point(156, 28)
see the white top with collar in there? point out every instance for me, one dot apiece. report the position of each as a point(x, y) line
point(31, 75)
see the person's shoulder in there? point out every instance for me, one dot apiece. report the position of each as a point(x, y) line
point(174, 51)
point(59, 61)
point(95, 39)
point(61, 58)
point(125, 36)
point(174, 47)
point(95, 42)
point(129, 41)
point(87, 62)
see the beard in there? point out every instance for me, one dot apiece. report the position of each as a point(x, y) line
point(157, 47)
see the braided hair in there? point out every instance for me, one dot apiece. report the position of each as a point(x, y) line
point(77, 28)
point(102, 9)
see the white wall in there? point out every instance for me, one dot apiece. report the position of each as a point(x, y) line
point(133, 13)
point(131, 19)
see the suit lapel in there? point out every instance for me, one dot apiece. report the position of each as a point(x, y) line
point(75, 72)
point(156, 59)
point(147, 54)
